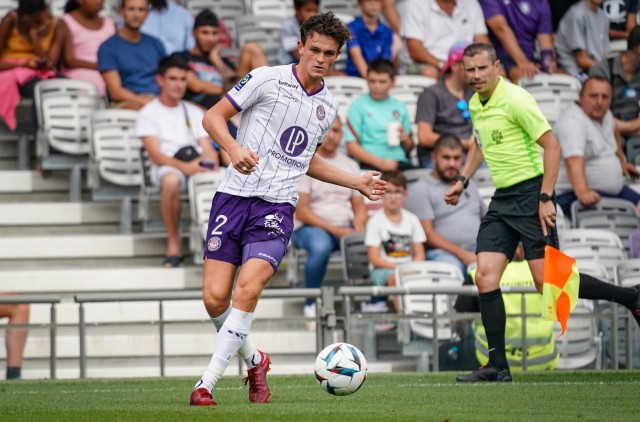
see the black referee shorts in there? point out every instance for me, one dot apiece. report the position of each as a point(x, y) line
point(513, 217)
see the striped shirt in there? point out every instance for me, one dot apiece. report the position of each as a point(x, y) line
point(283, 124)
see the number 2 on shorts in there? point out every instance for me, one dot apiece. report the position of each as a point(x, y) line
point(221, 220)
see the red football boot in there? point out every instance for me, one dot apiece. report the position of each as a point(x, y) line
point(201, 397)
point(259, 391)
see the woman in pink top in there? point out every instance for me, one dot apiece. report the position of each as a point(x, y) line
point(84, 31)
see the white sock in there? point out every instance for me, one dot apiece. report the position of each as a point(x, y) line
point(247, 352)
point(230, 338)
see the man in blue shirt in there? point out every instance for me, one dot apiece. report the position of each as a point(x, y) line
point(170, 23)
point(370, 39)
point(128, 60)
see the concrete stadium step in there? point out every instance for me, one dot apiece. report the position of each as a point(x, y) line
point(58, 213)
point(32, 181)
point(83, 280)
point(82, 246)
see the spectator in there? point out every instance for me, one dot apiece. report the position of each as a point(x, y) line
point(84, 30)
point(370, 39)
point(593, 164)
point(514, 28)
point(582, 38)
point(541, 351)
point(128, 60)
point(451, 231)
point(210, 74)
point(558, 10)
point(431, 27)
point(290, 33)
point(443, 107)
point(623, 73)
point(16, 338)
point(30, 46)
point(171, 23)
point(173, 136)
point(393, 235)
point(326, 213)
point(622, 17)
point(391, 15)
point(368, 119)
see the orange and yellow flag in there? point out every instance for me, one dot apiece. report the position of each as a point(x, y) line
point(561, 285)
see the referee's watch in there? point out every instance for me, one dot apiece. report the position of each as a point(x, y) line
point(545, 197)
point(464, 180)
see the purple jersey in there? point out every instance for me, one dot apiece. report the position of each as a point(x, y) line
point(527, 19)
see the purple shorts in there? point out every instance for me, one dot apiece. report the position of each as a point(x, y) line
point(242, 228)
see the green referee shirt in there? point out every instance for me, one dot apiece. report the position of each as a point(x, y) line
point(506, 128)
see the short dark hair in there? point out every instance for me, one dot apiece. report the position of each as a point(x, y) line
point(396, 177)
point(299, 4)
point(382, 66)
point(206, 18)
point(169, 62)
point(326, 24)
point(591, 79)
point(633, 40)
point(447, 140)
point(479, 48)
point(30, 7)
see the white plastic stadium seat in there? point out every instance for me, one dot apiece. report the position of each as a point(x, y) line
point(6, 6)
point(279, 8)
point(265, 30)
point(601, 246)
point(202, 187)
point(344, 90)
point(415, 83)
point(428, 273)
point(580, 346)
point(553, 93)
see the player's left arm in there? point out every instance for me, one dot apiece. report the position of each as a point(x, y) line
point(551, 162)
point(367, 184)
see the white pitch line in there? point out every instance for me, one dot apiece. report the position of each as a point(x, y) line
point(524, 383)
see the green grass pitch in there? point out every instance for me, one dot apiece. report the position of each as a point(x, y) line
point(549, 396)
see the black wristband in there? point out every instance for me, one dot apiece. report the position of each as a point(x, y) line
point(464, 180)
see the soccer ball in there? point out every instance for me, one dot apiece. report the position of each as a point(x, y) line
point(341, 369)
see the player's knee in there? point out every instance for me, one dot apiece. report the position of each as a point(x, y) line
point(215, 303)
point(486, 280)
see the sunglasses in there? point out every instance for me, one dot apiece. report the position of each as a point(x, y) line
point(464, 109)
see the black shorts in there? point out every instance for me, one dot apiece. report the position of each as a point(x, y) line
point(513, 217)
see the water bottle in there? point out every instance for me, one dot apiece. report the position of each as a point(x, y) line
point(453, 353)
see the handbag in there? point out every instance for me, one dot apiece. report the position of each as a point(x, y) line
point(187, 153)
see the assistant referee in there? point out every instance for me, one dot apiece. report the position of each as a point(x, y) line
point(509, 130)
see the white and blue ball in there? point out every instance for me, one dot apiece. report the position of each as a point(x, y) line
point(341, 369)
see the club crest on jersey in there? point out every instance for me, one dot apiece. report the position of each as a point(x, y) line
point(294, 140)
point(243, 82)
point(214, 244)
point(320, 113)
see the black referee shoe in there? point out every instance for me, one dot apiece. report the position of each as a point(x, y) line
point(486, 373)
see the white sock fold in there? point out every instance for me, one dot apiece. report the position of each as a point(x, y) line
point(231, 337)
point(247, 352)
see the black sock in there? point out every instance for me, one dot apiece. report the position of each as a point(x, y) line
point(13, 372)
point(494, 319)
point(592, 288)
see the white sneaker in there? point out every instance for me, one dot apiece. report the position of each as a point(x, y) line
point(310, 310)
point(374, 308)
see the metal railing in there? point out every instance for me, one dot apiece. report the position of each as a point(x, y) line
point(162, 297)
point(348, 293)
point(30, 299)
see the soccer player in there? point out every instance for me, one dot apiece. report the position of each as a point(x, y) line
point(287, 112)
point(509, 128)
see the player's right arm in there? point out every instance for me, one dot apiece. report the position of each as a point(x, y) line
point(215, 123)
point(475, 157)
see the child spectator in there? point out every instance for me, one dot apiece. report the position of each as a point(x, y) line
point(370, 39)
point(84, 30)
point(368, 118)
point(30, 46)
point(288, 50)
point(393, 236)
point(583, 38)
